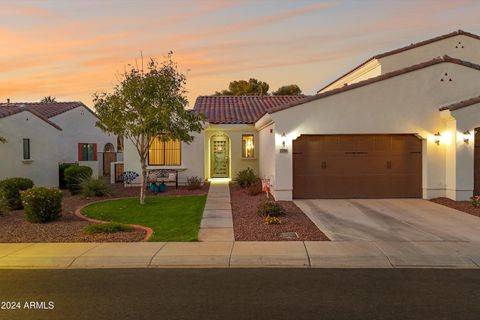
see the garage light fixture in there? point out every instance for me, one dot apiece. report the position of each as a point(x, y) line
point(467, 136)
point(438, 138)
point(284, 139)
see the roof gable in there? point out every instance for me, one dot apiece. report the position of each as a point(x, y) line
point(46, 109)
point(9, 110)
point(461, 104)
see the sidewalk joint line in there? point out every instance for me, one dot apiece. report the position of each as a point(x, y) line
point(75, 259)
point(155, 254)
point(384, 254)
point(28, 246)
point(308, 255)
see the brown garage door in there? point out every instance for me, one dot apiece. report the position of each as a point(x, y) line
point(357, 166)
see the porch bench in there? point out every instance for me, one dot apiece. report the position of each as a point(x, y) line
point(165, 175)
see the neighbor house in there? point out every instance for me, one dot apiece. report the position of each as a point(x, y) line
point(402, 124)
point(42, 135)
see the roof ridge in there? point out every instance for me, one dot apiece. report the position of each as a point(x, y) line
point(392, 74)
point(461, 104)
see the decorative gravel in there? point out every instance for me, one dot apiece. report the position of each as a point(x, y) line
point(69, 228)
point(464, 206)
point(249, 226)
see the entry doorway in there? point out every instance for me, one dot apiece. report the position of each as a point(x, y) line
point(219, 156)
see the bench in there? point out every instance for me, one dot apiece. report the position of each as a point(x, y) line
point(164, 175)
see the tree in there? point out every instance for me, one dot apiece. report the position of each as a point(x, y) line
point(3, 140)
point(48, 99)
point(288, 90)
point(146, 104)
point(252, 87)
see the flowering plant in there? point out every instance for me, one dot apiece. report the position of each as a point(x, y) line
point(129, 176)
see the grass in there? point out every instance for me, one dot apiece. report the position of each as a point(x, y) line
point(171, 218)
point(110, 227)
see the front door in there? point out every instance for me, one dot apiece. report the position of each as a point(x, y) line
point(108, 158)
point(220, 157)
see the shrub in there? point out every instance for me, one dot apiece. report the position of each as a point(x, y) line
point(246, 177)
point(93, 187)
point(42, 204)
point(194, 183)
point(475, 201)
point(61, 174)
point(272, 220)
point(255, 188)
point(3, 207)
point(74, 175)
point(10, 192)
point(109, 227)
point(270, 208)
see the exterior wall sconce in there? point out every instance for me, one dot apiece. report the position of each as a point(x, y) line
point(284, 138)
point(438, 138)
point(467, 136)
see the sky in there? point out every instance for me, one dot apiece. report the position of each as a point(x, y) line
point(71, 49)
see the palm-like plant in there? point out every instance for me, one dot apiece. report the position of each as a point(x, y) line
point(48, 99)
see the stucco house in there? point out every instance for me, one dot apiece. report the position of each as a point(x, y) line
point(401, 124)
point(42, 135)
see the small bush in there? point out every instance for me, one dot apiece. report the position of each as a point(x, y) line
point(10, 192)
point(194, 183)
point(270, 208)
point(74, 175)
point(475, 201)
point(61, 174)
point(272, 220)
point(255, 188)
point(3, 207)
point(246, 177)
point(93, 187)
point(42, 204)
point(110, 227)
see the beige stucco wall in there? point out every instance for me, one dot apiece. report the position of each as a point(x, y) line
point(78, 126)
point(267, 153)
point(234, 133)
point(191, 158)
point(404, 104)
point(43, 169)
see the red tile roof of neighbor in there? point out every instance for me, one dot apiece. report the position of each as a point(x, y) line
point(406, 48)
point(239, 109)
point(44, 111)
point(382, 77)
point(461, 104)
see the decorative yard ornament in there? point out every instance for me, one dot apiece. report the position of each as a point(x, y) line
point(266, 186)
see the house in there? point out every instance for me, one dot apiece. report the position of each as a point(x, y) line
point(402, 124)
point(42, 135)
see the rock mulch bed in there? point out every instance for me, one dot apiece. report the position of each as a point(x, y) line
point(249, 226)
point(69, 228)
point(464, 206)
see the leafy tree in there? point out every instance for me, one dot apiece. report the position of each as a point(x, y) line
point(3, 140)
point(48, 99)
point(146, 104)
point(288, 90)
point(252, 87)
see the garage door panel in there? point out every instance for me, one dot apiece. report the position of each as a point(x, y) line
point(357, 166)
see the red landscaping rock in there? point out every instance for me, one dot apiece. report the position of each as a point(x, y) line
point(464, 206)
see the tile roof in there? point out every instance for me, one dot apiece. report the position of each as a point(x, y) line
point(239, 109)
point(461, 104)
point(11, 109)
point(382, 77)
point(406, 48)
point(48, 109)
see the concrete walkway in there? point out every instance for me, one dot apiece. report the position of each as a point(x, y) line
point(315, 254)
point(217, 221)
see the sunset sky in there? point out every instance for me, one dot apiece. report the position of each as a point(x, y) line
point(70, 49)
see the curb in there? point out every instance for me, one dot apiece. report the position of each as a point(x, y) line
point(149, 231)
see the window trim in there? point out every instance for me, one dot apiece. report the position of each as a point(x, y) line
point(80, 151)
point(165, 165)
point(253, 142)
point(28, 150)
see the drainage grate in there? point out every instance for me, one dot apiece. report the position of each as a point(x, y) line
point(289, 235)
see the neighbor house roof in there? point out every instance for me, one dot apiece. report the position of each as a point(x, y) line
point(461, 104)
point(11, 109)
point(385, 76)
point(239, 109)
point(46, 109)
point(406, 48)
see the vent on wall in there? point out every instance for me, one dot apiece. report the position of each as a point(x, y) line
point(445, 77)
point(459, 45)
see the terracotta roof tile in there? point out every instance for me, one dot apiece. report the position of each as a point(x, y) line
point(406, 48)
point(377, 79)
point(11, 109)
point(239, 109)
point(47, 110)
point(461, 104)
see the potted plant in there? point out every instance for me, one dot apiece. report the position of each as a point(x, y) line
point(162, 187)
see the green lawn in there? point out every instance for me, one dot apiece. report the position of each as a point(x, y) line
point(171, 218)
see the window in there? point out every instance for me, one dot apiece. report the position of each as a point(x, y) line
point(87, 152)
point(164, 153)
point(26, 149)
point(247, 146)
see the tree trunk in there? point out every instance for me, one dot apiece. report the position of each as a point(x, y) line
point(143, 181)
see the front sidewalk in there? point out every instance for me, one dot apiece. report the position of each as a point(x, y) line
point(229, 254)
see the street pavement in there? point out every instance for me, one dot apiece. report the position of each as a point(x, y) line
point(242, 294)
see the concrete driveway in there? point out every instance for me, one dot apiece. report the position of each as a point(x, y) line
point(390, 220)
